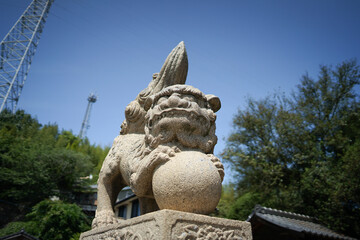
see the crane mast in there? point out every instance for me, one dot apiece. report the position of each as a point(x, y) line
point(85, 124)
point(17, 50)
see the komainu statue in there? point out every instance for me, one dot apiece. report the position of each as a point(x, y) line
point(165, 148)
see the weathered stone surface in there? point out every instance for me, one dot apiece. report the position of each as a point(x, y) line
point(189, 182)
point(165, 148)
point(169, 224)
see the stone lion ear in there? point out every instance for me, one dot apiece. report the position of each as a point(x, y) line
point(214, 102)
point(148, 103)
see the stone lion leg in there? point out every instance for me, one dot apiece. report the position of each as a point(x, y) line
point(109, 186)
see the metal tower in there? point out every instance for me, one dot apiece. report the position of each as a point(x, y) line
point(85, 124)
point(17, 50)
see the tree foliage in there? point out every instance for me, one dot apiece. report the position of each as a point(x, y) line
point(51, 220)
point(300, 153)
point(39, 161)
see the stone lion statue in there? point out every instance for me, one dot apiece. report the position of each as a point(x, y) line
point(165, 148)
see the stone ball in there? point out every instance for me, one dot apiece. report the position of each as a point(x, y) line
point(188, 182)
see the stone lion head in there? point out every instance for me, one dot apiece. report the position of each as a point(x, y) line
point(182, 115)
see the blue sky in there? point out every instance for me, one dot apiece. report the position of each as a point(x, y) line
point(236, 49)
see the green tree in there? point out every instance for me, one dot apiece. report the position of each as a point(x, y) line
point(228, 196)
point(37, 162)
point(32, 167)
point(52, 220)
point(299, 153)
point(14, 227)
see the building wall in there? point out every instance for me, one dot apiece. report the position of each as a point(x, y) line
point(128, 209)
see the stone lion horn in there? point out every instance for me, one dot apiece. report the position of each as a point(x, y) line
point(174, 71)
point(165, 148)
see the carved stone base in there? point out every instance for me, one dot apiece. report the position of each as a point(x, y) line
point(169, 224)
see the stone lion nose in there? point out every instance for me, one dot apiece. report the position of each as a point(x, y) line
point(174, 100)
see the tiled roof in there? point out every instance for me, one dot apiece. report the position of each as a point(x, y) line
point(22, 234)
point(295, 222)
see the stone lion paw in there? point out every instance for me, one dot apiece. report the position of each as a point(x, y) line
point(140, 180)
point(103, 219)
point(162, 154)
point(218, 165)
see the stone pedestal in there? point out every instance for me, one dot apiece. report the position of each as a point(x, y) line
point(169, 224)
